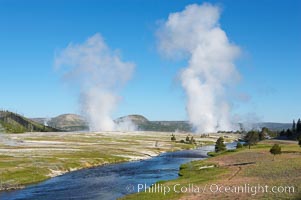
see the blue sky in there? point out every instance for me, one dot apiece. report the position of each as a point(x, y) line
point(268, 32)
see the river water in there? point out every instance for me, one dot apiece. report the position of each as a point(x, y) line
point(110, 181)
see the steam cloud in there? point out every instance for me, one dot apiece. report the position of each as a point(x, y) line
point(195, 34)
point(100, 73)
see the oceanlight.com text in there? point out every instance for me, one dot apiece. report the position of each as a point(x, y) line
point(251, 189)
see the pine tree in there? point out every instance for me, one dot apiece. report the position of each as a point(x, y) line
point(282, 133)
point(294, 127)
point(192, 140)
point(298, 129)
point(264, 132)
point(220, 146)
point(252, 138)
point(289, 133)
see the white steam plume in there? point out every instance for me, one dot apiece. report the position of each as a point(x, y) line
point(99, 72)
point(195, 34)
point(126, 124)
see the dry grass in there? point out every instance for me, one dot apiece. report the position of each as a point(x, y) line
point(284, 171)
point(33, 157)
point(250, 167)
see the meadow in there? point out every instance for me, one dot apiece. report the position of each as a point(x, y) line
point(249, 168)
point(33, 157)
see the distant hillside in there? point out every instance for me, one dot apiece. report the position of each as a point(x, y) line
point(166, 126)
point(275, 126)
point(136, 119)
point(68, 122)
point(185, 126)
point(14, 123)
point(144, 124)
point(73, 122)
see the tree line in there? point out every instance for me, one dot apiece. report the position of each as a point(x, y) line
point(294, 132)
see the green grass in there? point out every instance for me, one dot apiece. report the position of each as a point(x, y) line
point(284, 171)
point(15, 123)
point(12, 127)
point(24, 171)
point(35, 156)
point(20, 171)
point(24, 176)
point(213, 154)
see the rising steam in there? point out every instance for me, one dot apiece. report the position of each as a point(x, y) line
point(100, 73)
point(195, 34)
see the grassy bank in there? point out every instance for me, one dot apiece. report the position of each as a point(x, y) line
point(245, 166)
point(33, 157)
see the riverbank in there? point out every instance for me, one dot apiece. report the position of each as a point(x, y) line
point(246, 168)
point(34, 157)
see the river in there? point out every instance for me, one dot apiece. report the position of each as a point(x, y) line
point(110, 181)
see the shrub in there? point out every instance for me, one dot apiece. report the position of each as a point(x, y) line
point(276, 149)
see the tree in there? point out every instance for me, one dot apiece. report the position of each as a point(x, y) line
point(298, 128)
point(173, 137)
point(289, 133)
point(294, 127)
point(276, 149)
point(187, 139)
point(264, 131)
point(299, 141)
point(282, 133)
point(238, 145)
point(192, 140)
point(219, 145)
point(252, 138)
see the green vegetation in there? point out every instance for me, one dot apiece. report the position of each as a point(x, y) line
point(294, 132)
point(252, 138)
point(298, 128)
point(73, 122)
point(15, 123)
point(220, 146)
point(33, 157)
point(276, 149)
point(252, 166)
point(190, 141)
point(188, 174)
point(173, 137)
point(165, 126)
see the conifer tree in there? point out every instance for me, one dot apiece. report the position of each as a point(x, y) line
point(298, 129)
point(294, 127)
point(252, 138)
point(220, 146)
